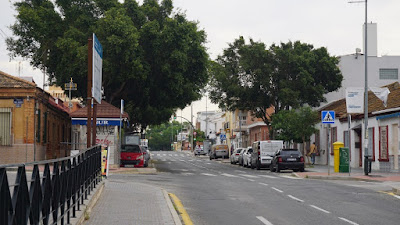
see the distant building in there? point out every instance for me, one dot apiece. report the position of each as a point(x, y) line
point(33, 124)
point(107, 128)
point(58, 92)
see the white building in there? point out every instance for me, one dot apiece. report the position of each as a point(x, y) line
point(382, 70)
point(210, 122)
point(383, 127)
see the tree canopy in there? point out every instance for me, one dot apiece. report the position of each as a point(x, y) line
point(250, 76)
point(153, 58)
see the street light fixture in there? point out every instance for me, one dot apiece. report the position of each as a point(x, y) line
point(366, 160)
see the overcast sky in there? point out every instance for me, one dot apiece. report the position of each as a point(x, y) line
point(335, 24)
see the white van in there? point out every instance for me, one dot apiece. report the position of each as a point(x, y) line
point(263, 151)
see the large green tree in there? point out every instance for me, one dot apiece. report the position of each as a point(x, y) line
point(250, 76)
point(295, 125)
point(153, 58)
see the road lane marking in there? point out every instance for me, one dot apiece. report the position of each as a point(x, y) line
point(250, 180)
point(263, 184)
point(264, 221)
point(187, 174)
point(349, 221)
point(318, 208)
point(240, 171)
point(209, 174)
point(182, 160)
point(208, 163)
point(276, 189)
point(294, 198)
point(246, 175)
point(267, 176)
point(291, 177)
point(181, 209)
point(228, 175)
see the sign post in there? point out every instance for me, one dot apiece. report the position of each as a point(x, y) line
point(328, 117)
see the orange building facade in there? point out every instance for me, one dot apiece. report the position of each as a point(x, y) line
point(33, 125)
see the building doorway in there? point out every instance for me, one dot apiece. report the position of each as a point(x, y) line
point(358, 146)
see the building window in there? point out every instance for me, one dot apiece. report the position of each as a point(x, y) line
point(5, 126)
point(388, 74)
point(44, 127)
point(38, 127)
point(333, 137)
point(371, 143)
point(383, 144)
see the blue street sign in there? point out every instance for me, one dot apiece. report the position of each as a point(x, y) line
point(328, 116)
point(222, 137)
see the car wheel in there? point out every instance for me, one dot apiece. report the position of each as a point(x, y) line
point(146, 164)
point(302, 169)
point(258, 165)
point(295, 170)
point(271, 168)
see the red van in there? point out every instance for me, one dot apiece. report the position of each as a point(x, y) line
point(132, 155)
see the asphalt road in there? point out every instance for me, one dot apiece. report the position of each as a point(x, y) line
point(220, 193)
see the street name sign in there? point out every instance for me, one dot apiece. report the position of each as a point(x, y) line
point(328, 117)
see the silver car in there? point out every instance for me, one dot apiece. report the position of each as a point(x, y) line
point(146, 153)
point(247, 157)
point(235, 155)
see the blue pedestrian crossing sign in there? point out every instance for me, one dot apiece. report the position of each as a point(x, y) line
point(222, 137)
point(328, 116)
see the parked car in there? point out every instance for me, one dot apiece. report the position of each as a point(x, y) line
point(287, 159)
point(235, 155)
point(240, 158)
point(263, 151)
point(132, 154)
point(198, 150)
point(219, 151)
point(247, 157)
point(146, 154)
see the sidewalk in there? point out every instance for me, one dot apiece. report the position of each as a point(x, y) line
point(130, 202)
point(357, 174)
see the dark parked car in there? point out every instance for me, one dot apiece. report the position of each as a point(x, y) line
point(287, 159)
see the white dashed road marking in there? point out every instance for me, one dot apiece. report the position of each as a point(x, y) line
point(291, 177)
point(228, 175)
point(209, 174)
point(267, 176)
point(294, 198)
point(318, 208)
point(276, 189)
point(263, 184)
point(349, 221)
point(265, 221)
point(246, 175)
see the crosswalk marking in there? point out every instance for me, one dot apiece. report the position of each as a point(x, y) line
point(263, 220)
point(209, 174)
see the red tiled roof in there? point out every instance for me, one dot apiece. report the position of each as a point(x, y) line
point(9, 81)
point(374, 103)
point(104, 110)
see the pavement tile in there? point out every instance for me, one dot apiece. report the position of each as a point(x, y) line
point(129, 202)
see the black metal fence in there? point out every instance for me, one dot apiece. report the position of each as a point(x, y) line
point(48, 197)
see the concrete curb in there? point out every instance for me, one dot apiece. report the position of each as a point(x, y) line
point(174, 214)
point(396, 191)
point(336, 178)
point(92, 202)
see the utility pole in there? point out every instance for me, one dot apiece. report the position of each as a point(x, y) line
point(191, 128)
point(89, 93)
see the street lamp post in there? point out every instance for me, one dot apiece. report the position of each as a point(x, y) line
point(366, 160)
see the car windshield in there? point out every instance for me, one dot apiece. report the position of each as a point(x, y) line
point(290, 152)
point(239, 150)
point(130, 148)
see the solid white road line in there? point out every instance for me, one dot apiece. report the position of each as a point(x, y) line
point(276, 189)
point(263, 184)
point(318, 208)
point(228, 175)
point(267, 176)
point(294, 198)
point(265, 221)
point(246, 175)
point(349, 221)
point(209, 174)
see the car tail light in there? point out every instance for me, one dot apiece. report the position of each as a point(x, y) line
point(237, 154)
point(301, 159)
point(279, 159)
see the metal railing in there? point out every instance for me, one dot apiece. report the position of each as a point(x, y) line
point(48, 197)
